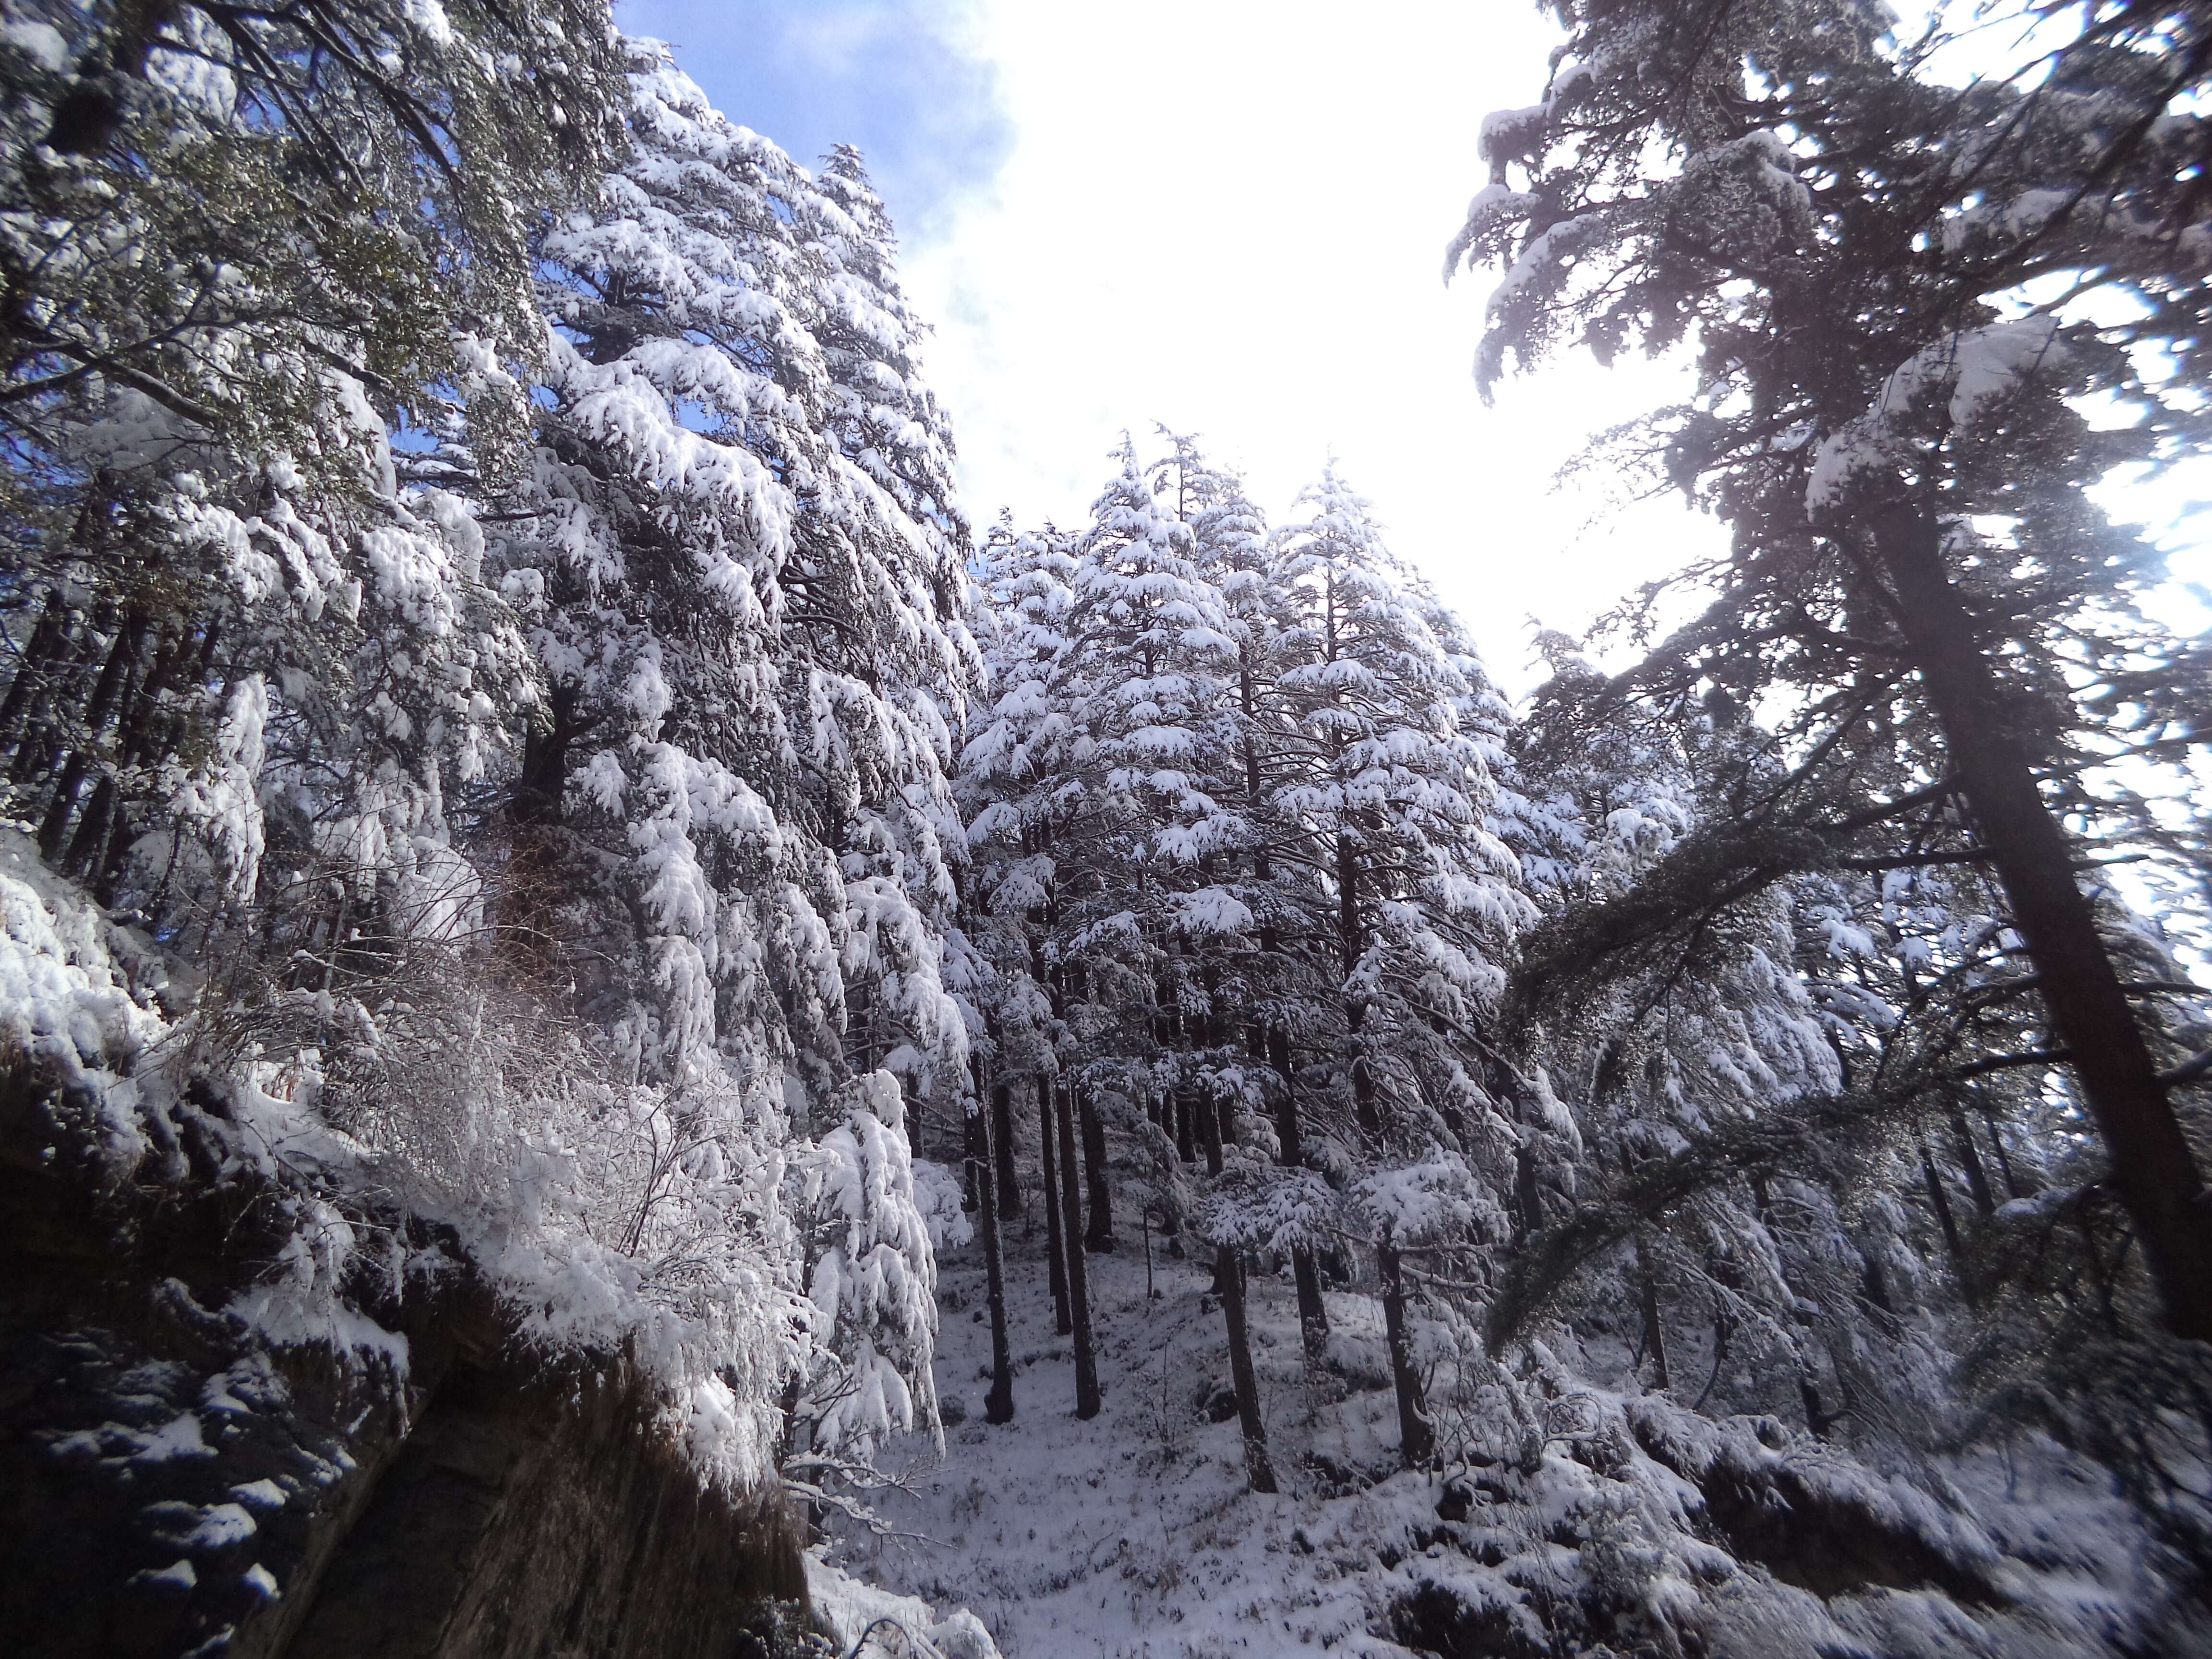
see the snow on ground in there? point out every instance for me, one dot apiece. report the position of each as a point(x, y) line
point(1133, 1534)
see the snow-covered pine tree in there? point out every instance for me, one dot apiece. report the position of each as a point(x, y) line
point(1099, 776)
point(752, 650)
point(1888, 415)
point(877, 590)
point(1411, 920)
point(214, 566)
point(1769, 1278)
point(1267, 971)
point(1014, 732)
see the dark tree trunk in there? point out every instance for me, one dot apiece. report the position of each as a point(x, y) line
point(1050, 1162)
point(39, 654)
point(2154, 1169)
point(1186, 1148)
point(543, 779)
point(1002, 1141)
point(88, 849)
point(1940, 1201)
point(1655, 1335)
point(999, 1403)
point(1209, 1134)
point(1970, 1160)
point(1099, 1235)
point(1290, 1134)
point(1417, 1438)
point(1527, 1200)
point(975, 1147)
point(120, 668)
point(2014, 1187)
point(1079, 1289)
point(35, 754)
point(1313, 1312)
point(135, 739)
point(1351, 946)
point(1228, 1282)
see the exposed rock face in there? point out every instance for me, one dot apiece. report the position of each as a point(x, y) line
point(173, 1482)
point(542, 1517)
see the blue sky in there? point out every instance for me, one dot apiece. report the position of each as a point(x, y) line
point(903, 80)
point(1227, 216)
point(1222, 215)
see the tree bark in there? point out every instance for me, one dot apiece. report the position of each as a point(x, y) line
point(121, 665)
point(999, 1403)
point(1079, 1289)
point(1970, 1159)
point(1209, 1133)
point(1417, 1438)
point(1655, 1335)
point(1940, 1202)
point(1228, 1282)
point(1313, 1312)
point(543, 779)
point(1099, 1235)
point(2155, 1171)
point(1002, 1142)
point(975, 1147)
point(1062, 1322)
point(31, 667)
point(1351, 946)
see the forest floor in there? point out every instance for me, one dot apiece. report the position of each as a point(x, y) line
point(1133, 1534)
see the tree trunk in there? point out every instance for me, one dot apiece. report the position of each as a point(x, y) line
point(1940, 1201)
point(543, 779)
point(1002, 1142)
point(1417, 1438)
point(31, 667)
point(1313, 1312)
point(122, 665)
point(1228, 1282)
point(999, 1403)
point(1970, 1160)
point(2154, 1169)
point(1099, 1235)
point(1079, 1289)
point(1351, 943)
point(1655, 1335)
point(2014, 1187)
point(34, 752)
point(975, 1147)
point(1049, 1161)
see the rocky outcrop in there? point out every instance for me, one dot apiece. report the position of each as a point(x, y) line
point(408, 1483)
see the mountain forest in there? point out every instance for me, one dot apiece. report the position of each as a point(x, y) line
point(625, 1036)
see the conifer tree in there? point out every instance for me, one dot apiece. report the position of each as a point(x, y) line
point(1887, 416)
point(755, 665)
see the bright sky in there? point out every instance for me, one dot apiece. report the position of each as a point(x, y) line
point(1227, 216)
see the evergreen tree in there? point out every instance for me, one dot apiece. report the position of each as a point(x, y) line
point(1889, 422)
point(1397, 904)
point(755, 665)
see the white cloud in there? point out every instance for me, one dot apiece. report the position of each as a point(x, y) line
point(1230, 217)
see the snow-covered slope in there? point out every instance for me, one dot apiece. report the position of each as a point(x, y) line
point(1641, 1524)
